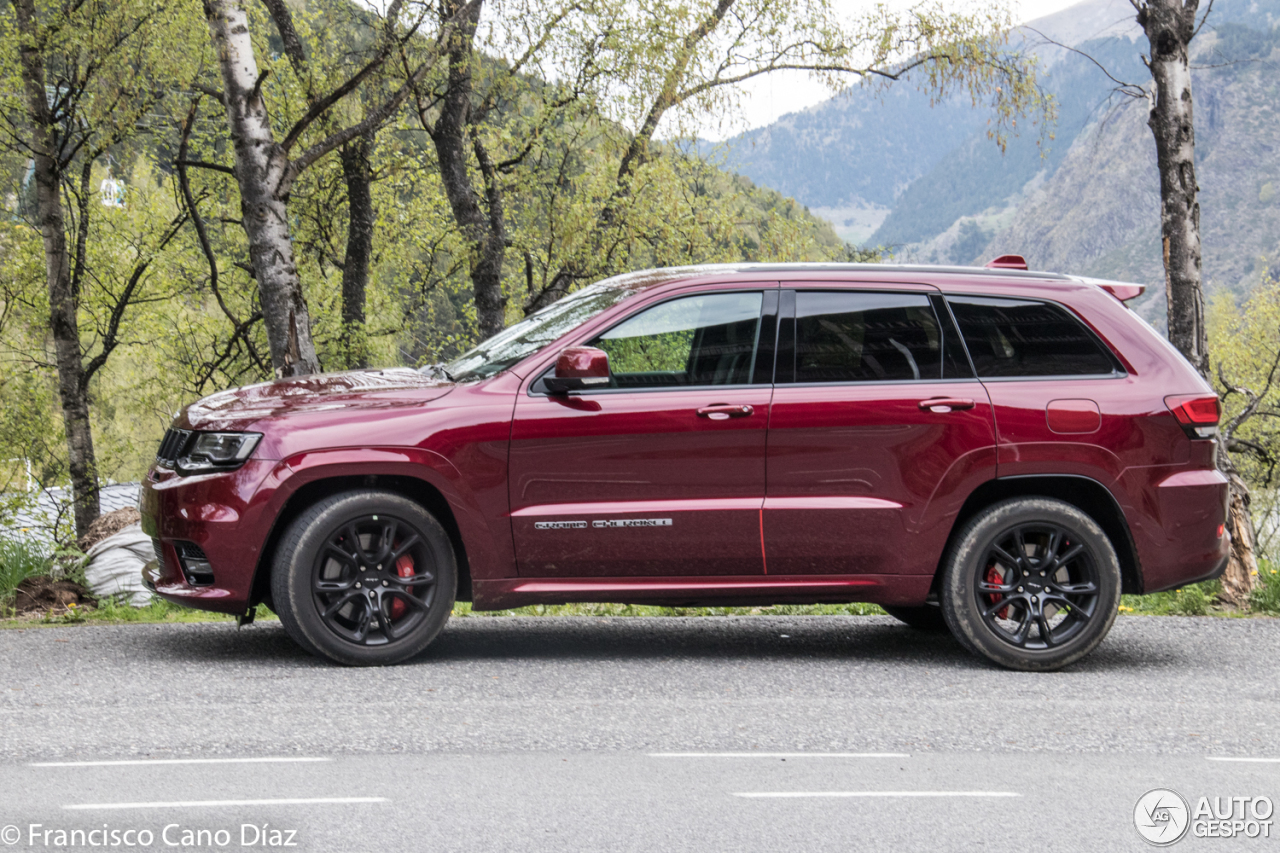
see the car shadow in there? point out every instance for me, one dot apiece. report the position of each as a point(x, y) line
point(848, 639)
point(857, 640)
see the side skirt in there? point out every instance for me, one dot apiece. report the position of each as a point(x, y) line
point(723, 591)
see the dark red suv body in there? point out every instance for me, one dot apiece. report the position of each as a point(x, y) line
point(766, 434)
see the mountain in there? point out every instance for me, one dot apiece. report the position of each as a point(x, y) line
point(887, 169)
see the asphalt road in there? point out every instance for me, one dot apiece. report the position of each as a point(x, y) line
point(756, 733)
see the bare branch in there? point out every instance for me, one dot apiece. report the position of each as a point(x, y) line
point(1133, 90)
point(200, 164)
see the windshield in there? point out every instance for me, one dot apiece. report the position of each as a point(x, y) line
point(536, 331)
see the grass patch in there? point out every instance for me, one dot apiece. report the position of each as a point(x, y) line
point(19, 560)
point(111, 611)
point(1194, 600)
point(1266, 595)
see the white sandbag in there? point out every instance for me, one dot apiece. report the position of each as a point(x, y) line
point(115, 565)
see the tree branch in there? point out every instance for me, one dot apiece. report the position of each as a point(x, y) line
point(112, 335)
point(379, 115)
point(1121, 85)
point(200, 164)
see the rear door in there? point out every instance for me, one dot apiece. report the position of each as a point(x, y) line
point(878, 432)
point(663, 472)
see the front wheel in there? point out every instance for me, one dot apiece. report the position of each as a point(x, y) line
point(1031, 584)
point(364, 578)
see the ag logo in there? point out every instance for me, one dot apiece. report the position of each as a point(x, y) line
point(1162, 816)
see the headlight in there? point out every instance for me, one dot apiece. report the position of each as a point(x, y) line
point(217, 451)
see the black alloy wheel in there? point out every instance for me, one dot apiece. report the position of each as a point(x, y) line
point(364, 578)
point(1039, 588)
point(1031, 583)
point(372, 582)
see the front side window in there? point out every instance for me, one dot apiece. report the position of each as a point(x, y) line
point(1015, 337)
point(849, 336)
point(536, 331)
point(708, 339)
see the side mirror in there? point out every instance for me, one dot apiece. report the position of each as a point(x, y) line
point(578, 368)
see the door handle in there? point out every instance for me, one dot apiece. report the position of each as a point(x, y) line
point(724, 411)
point(945, 404)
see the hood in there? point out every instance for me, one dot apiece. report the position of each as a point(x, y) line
point(322, 392)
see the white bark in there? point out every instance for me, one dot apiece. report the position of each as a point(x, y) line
point(263, 173)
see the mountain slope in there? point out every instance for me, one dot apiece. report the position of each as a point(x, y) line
point(1088, 201)
point(1100, 213)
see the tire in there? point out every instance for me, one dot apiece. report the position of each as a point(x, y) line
point(925, 618)
point(1053, 568)
point(382, 604)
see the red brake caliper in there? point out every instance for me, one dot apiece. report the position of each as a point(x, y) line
point(404, 568)
point(995, 579)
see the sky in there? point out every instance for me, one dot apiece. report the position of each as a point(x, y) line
point(768, 98)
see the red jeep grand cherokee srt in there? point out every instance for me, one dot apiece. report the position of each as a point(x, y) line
point(999, 450)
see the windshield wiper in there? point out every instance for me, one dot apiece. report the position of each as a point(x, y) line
point(436, 371)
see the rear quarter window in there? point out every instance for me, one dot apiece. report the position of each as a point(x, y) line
point(1018, 338)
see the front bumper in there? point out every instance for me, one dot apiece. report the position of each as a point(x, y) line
point(221, 514)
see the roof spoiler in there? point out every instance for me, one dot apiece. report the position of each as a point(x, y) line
point(1122, 290)
point(1007, 262)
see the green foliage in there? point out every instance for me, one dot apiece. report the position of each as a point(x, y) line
point(1265, 597)
point(1244, 341)
point(19, 560)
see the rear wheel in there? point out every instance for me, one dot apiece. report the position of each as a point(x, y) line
point(1031, 584)
point(926, 618)
point(364, 578)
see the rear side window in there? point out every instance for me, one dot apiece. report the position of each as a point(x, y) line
point(844, 336)
point(1014, 337)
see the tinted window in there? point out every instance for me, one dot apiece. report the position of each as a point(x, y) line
point(1011, 337)
point(866, 337)
point(708, 339)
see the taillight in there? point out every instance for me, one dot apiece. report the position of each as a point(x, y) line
point(1198, 414)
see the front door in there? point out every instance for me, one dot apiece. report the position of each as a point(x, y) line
point(878, 433)
point(663, 472)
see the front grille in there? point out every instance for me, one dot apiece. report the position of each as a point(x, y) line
point(195, 565)
point(171, 446)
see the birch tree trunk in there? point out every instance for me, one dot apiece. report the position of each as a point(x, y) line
point(63, 302)
point(1170, 25)
point(262, 171)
